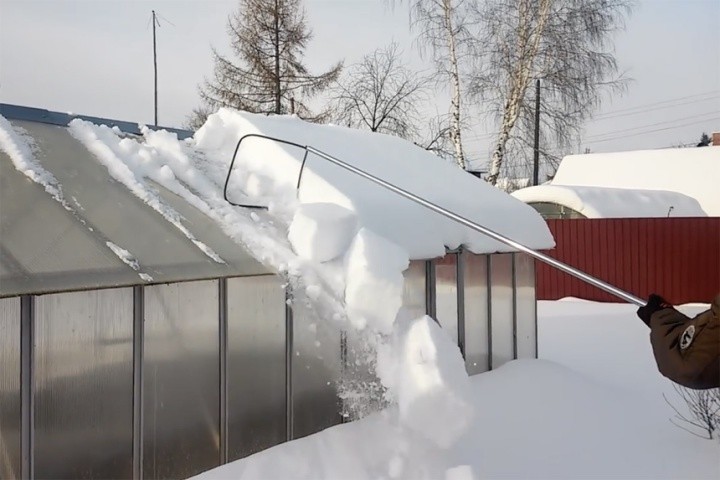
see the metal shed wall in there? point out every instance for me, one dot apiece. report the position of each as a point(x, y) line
point(675, 257)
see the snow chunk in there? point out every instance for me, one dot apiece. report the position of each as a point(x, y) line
point(322, 231)
point(426, 373)
point(373, 293)
point(124, 255)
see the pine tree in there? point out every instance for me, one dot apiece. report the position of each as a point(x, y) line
point(704, 140)
point(268, 39)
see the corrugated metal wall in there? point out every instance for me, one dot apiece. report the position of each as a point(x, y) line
point(678, 258)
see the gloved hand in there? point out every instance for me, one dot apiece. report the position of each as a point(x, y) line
point(654, 304)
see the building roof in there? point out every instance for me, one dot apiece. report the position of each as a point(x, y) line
point(694, 172)
point(601, 202)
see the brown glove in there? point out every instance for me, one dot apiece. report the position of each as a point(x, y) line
point(654, 304)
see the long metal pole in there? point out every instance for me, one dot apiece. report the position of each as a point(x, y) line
point(536, 147)
point(154, 20)
point(485, 231)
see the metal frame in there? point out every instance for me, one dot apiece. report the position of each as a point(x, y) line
point(460, 290)
point(514, 308)
point(430, 303)
point(289, 340)
point(223, 352)
point(138, 367)
point(488, 272)
point(40, 115)
point(27, 385)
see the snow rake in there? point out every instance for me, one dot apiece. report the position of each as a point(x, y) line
point(596, 282)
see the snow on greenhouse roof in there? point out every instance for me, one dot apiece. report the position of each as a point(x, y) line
point(600, 202)
point(271, 169)
point(691, 171)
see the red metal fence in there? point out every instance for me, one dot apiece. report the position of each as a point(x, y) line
point(678, 258)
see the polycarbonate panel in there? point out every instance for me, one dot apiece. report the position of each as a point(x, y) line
point(239, 261)
point(181, 380)
point(83, 384)
point(477, 339)
point(316, 369)
point(525, 306)
point(446, 294)
point(501, 327)
point(43, 248)
point(10, 455)
point(47, 248)
point(414, 289)
point(256, 364)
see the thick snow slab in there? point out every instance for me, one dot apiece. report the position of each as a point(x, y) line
point(322, 231)
point(601, 202)
point(691, 171)
point(374, 281)
point(272, 169)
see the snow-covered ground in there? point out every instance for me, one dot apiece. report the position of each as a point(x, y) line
point(591, 407)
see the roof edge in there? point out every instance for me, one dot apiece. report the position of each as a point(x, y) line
point(39, 115)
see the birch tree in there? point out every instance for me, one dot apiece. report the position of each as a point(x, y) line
point(441, 28)
point(567, 44)
point(268, 39)
point(381, 94)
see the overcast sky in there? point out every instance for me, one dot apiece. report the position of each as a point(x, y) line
point(95, 57)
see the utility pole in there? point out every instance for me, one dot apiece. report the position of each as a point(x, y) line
point(536, 149)
point(154, 23)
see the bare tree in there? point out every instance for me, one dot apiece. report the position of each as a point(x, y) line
point(567, 44)
point(703, 411)
point(437, 138)
point(268, 38)
point(441, 28)
point(381, 94)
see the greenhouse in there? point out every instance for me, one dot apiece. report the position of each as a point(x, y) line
point(142, 337)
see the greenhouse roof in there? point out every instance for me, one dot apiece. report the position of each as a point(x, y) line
point(65, 224)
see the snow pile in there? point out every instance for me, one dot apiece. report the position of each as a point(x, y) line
point(600, 202)
point(690, 171)
point(579, 412)
point(128, 162)
point(426, 372)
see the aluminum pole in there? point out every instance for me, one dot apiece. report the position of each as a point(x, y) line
point(485, 231)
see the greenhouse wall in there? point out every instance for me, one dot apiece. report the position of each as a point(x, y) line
point(169, 380)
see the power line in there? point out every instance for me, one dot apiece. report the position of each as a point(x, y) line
point(655, 130)
point(642, 108)
point(613, 132)
point(661, 107)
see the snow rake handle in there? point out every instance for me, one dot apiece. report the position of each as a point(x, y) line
point(453, 216)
